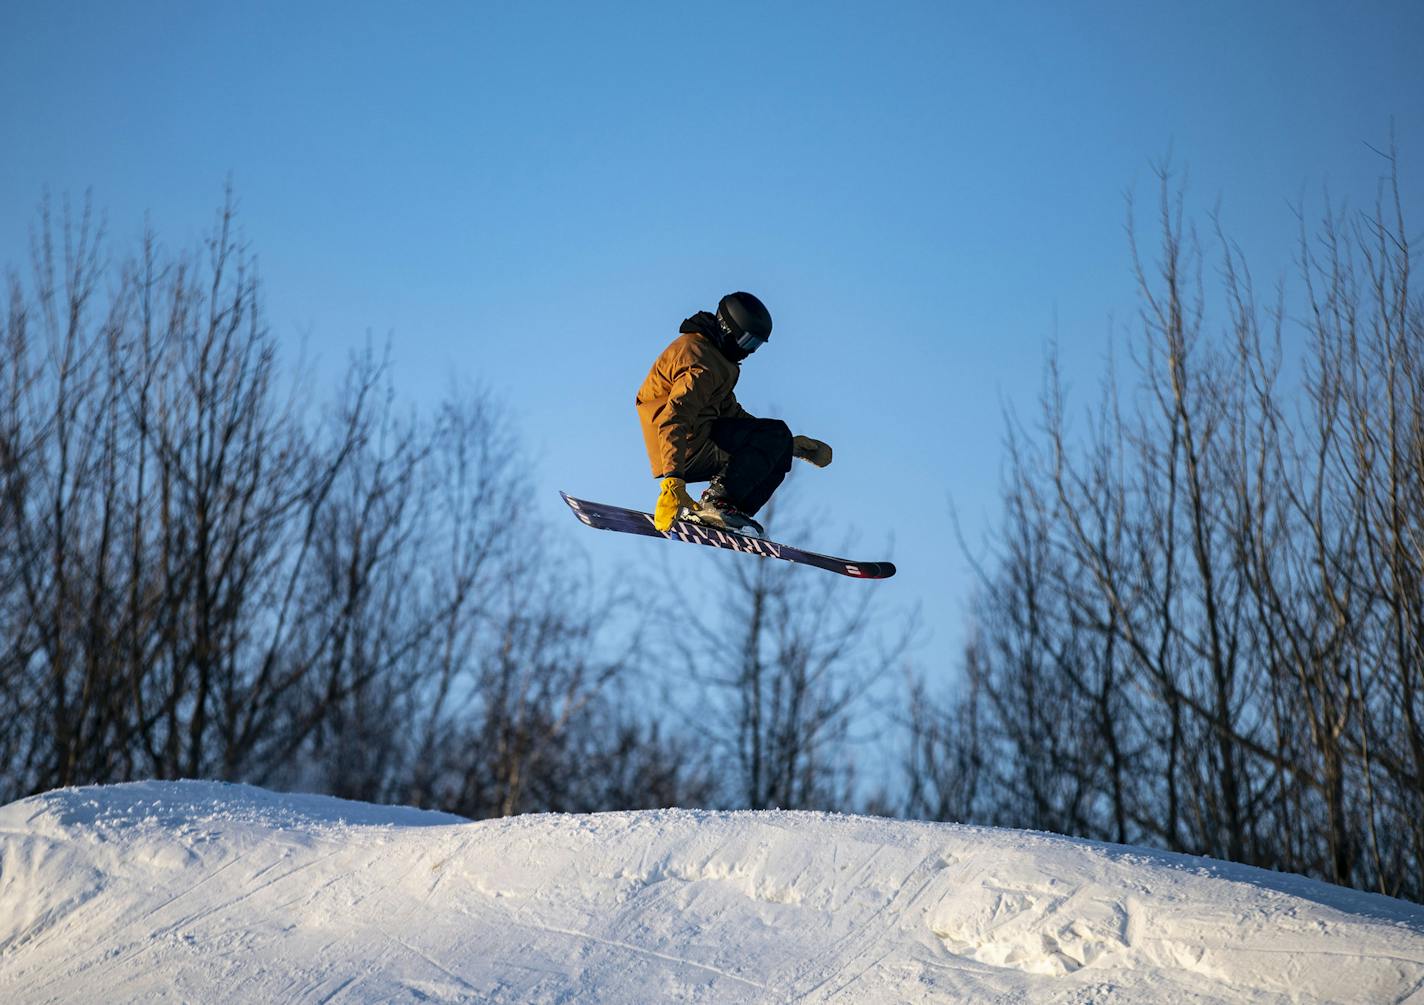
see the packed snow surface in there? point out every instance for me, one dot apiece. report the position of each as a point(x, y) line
point(189, 891)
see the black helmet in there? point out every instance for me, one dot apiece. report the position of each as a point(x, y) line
point(745, 320)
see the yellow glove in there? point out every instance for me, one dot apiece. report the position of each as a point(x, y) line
point(815, 451)
point(671, 502)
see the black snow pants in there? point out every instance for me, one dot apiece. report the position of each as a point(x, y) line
point(757, 458)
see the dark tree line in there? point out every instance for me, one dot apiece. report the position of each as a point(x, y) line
point(1203, 625)
point(209, 570)
point(206, 571)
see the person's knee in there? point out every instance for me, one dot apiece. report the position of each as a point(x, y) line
point(780, 438)
point(778, 432)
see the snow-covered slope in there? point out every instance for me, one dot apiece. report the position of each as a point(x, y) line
point(203, 892)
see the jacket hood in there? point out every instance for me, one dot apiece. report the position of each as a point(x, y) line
point(704, 323)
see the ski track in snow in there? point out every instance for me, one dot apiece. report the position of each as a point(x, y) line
point(191, 891)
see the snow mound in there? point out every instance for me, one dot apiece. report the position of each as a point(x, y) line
point(194, 891)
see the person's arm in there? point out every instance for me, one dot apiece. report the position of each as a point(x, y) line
point(677, 422)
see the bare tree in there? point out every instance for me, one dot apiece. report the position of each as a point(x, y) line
point(205, 571)
point(1202, 627)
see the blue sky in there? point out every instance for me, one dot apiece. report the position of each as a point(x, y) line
point(533, 196)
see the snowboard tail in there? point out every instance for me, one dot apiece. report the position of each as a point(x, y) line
point(630, 521)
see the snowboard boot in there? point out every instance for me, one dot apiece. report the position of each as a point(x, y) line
point(716, 510)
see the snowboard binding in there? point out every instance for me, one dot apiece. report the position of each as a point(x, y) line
point(723, 518)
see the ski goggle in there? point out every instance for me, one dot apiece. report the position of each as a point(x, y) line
point(747, 342)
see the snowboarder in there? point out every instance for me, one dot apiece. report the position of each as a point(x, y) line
point(696, 431)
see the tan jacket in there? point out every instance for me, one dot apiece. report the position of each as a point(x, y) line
point(688, 387)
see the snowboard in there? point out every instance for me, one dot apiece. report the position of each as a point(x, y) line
point(630, 521)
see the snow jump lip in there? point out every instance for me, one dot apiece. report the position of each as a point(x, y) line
point(207, 891)
point(602, 516)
